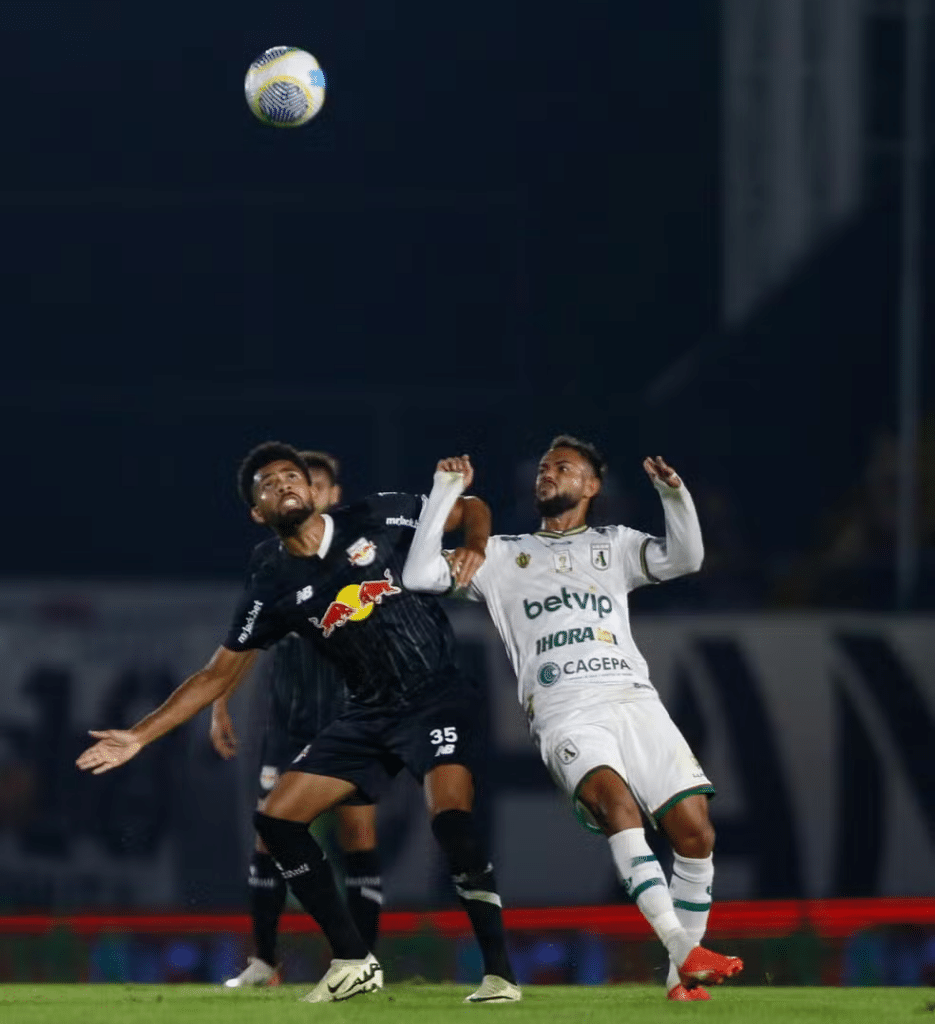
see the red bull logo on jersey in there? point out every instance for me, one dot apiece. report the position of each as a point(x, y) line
point(362, 552)
point(355, 602)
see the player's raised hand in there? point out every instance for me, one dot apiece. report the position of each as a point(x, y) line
point(222, 733)
point(658, 469)
point(464, 563)
point(458, 464)
point(114, 748)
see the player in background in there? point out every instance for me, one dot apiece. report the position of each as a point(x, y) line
point(558, 598)
point(305, 693)
point(336, 578)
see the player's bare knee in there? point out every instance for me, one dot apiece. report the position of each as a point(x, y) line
point(437, 803)
point(689, 828)
point(695, 839)
point(449, 788)
point(610, 802)
point(704, 839)
point(355, 836)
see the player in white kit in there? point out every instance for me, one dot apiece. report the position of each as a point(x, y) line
point(558, 598)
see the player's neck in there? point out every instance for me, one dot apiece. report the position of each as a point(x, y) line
point(573, 519)
point(307, 539)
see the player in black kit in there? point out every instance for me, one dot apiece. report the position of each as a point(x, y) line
point(305, 693)
point(337, 579)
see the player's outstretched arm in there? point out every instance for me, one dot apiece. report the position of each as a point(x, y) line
point(117, 746)
point(221, 732)
point(426, 568)
point(682, 551)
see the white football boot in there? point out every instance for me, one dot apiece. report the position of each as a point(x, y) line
point(347, 978)
point(257, 974)
point(494, 989)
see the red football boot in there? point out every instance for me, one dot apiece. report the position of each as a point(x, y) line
point(703, 967)
point(681, 994)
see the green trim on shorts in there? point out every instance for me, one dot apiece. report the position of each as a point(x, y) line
point(707, 790)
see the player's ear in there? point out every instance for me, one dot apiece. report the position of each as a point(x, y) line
point(336, 494)
point(257, 516)
point(592, 486)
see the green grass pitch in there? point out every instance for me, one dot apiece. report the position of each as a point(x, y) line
point(438, 1004)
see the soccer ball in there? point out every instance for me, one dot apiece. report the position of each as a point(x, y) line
point(285, 87)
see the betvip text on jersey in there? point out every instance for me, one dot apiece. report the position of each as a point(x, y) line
point(601, 604)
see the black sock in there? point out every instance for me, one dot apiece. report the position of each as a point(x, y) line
point(267, 899)
point(364, 889)
point(476, 887)
point(309, 876)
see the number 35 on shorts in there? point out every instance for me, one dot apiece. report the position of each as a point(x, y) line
point(445, 739)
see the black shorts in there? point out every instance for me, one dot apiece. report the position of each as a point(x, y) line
point(278, 752)
point(370, 747)
point(306, 694)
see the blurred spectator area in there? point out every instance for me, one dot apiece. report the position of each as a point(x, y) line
point(851, 560)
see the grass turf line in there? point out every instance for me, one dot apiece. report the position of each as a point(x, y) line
point(439, 1004)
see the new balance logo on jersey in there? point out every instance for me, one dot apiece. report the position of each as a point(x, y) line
point(573, 636)
point(445, 749)
point(305, 594)
point(601, 604)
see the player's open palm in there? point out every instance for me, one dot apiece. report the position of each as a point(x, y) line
point(114, 748)
point(658, 469)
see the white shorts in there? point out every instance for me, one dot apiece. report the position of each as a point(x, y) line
point(638, 740)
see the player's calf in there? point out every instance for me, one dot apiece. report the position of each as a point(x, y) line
point(310, 878)
point(476, 886)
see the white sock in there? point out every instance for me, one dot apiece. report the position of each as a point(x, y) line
point(642, 877)
point(690, 890)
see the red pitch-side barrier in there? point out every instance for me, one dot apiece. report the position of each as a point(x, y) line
point(759, 919)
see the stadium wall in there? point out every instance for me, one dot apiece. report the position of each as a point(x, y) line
point(817, 730)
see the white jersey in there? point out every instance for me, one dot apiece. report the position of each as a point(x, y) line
point(559, 601)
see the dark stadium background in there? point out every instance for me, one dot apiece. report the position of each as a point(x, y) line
point(507, 222)
point(504, 223)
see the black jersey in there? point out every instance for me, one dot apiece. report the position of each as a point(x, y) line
point(306, 691)
point(387, 643)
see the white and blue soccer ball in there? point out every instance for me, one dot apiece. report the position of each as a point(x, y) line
point(285, 87)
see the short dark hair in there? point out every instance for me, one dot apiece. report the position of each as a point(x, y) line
point(262, 455)
point(323, 461)
point(584, 448)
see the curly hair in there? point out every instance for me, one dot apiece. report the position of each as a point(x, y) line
point(583, 448)
point(262, 455)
